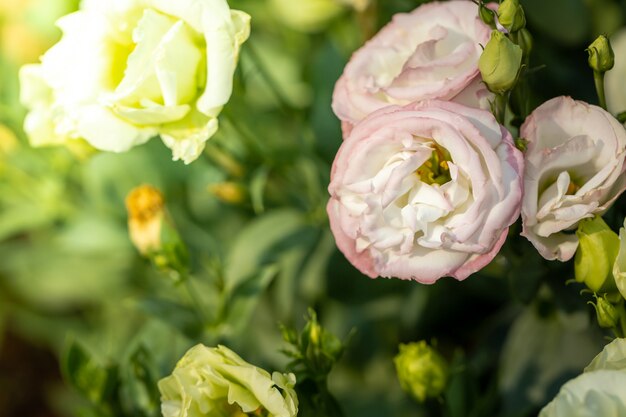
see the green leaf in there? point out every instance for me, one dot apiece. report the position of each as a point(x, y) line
point(256, 245)
point(178, 316)
point(537, 357)
point(85, 373)
point(139, 392)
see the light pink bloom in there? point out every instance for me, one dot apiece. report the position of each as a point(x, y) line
point(430, 53)
point(574, 170)
point(390, 223)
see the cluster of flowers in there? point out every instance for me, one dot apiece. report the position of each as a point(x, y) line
point(426, 182)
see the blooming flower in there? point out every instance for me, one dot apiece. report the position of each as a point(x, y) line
point(430, 53)
point(424, 191)
point(216, 382)
point(599, 391)
point(574, 170)
point(128, 70)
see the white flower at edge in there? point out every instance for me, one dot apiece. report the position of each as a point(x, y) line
point(128, 70)
point(599, 392)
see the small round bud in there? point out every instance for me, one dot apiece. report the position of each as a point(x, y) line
point(597, 251)
point(606, 313)
point(601, 56)
point(422, 371)
point(500, 63)
point(511, 15)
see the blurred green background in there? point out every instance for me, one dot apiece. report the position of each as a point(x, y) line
point(87, 326)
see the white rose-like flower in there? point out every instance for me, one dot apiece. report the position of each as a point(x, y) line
point(599, 392)
point(574, 170)
point(430, 53)
point(216, 382)
point(424, 191)
point(129, 70)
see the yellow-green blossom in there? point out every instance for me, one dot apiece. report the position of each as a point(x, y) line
point(128, 70)
point(422, 371)
point(216, 382)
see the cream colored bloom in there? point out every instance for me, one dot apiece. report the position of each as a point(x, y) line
point(216, 382)
point(128, 70)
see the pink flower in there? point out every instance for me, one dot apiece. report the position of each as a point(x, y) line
point(425, 191)
point(574, 170)
point(430, 53)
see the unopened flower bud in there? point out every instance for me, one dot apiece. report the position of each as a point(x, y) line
point(500, 63)
point(524, 39)
point(422, 371)
point(597, 251)
point(152, 232)
point(601, 56)
point(619, 267)
point(511, 15)
point(606, 313)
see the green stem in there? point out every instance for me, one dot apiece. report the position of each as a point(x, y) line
point(193, 295)
point(500, 103)
point(598, 78)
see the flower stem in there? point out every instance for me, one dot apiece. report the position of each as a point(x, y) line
point(499, 108)
point(598, 78)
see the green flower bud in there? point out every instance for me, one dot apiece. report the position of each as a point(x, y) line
point(601, 56)
point(606, 313)
point(217, 382)
point(487, 15)
point(597, 251)
point(524, 39)
point(511, 15)
point(619, 267)
point(422, 371)
point(500, 63)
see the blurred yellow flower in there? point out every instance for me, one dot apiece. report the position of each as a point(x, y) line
point(146, 212)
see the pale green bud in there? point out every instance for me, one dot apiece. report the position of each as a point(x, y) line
point(217, 382)
point(422, 371)
point(596, 254)
point(524, 39)
point(511, 15)
point(500, 63)
point(601, 56)
point(619, 267)
point(606, 313)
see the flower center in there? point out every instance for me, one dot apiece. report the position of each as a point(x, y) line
point(436, 170)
